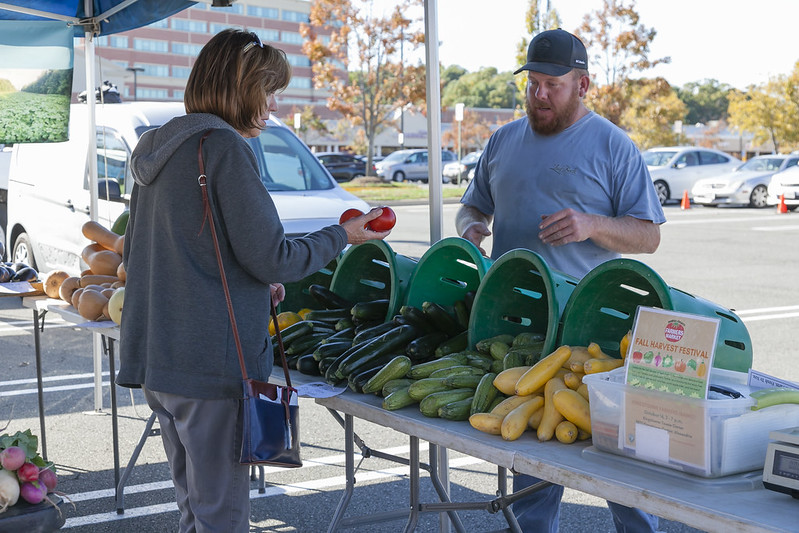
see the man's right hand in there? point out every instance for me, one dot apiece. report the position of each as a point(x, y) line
point(475, 233)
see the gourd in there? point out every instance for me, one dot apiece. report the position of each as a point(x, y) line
point(91, 304)
point(67, 287)
point(104, 237)
point(101, 260)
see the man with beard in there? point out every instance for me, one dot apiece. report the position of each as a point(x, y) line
point(570, 186)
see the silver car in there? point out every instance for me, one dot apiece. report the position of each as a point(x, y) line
point(675, 169)
point(408, 165)
point(746, 185)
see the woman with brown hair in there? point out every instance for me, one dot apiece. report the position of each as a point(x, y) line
point(176, 339)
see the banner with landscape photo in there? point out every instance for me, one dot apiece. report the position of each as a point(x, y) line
point(36, 60)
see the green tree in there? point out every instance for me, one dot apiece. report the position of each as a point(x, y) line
point(770, 111)
point(705, 101)
point(375, 82)
point(484, 88)
point(538, 18)
point(618, 46)
point(651, 110)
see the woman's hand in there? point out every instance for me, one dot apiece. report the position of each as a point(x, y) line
point(357, 233)
point(278, 292)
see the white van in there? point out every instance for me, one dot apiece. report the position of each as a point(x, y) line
point(48, 191)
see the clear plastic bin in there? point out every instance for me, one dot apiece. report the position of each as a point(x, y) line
point(737, 437)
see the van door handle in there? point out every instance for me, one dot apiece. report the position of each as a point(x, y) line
point(69, 205)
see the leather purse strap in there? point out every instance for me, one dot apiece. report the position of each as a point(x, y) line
point(208, 216)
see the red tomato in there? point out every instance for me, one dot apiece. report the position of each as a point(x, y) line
point(385, 221)
point(348, 214)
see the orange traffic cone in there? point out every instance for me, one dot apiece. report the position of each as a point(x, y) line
point(686, 203)
point(782, 208)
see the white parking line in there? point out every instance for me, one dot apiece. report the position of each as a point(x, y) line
point(271, 490)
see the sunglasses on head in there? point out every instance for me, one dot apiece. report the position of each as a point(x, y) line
point(255, 42)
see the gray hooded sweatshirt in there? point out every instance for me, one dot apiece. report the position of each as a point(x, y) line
point(175, 335)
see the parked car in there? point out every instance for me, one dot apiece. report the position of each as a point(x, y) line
point(746, 185)
point(343, 166)
point(453, 170)
point(675, 169)
point(785, 183)
point(408, 165)
point(48, 191)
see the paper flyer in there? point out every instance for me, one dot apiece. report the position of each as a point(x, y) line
point(672, 352)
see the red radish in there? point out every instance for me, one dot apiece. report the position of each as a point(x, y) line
point(28, 472)
point(12, 458)
point(33, 492)
point(49, 479)
point(348, 214)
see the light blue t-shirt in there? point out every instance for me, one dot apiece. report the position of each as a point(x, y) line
point(591, 166)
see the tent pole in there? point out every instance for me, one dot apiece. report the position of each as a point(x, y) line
point(433, 120)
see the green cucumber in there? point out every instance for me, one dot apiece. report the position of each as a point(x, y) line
point(458, 410)
point(484, 345)
point(462, 381)
point(306, 364)
point(431, 403)
point(395, 369)
point(423, 370)
point(395, 384)
point(327, 298)
point(420, 388)
point(484, 394)
point(397, 400)
point(466, 370)
point(461, 313)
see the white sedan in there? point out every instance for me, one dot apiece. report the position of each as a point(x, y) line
point(746, 185)
point(675, 169)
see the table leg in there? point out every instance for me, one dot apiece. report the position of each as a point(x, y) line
point(349, 473)
point(414, 482)
point(120, 493)
point(40, 389)
point(114, 421)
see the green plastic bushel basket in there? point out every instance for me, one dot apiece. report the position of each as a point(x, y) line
point(520, 293)
point(373, 271)
point(603, 305)
point(447, 271)
point(297, 295)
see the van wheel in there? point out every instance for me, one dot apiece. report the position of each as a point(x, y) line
point(399, 176)
point(23, 251)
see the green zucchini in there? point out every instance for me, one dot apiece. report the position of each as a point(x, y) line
point(497, 366)
point(441, 319)
point(417, 317)
point(328, 349)
point(345, 324)
point(395, 369)
point(458, 410)
point(528, 338)
point(305, 344)
point(328, 315)
point(498, 400)
point(389, 342)
point(499, 349)
point(423, 370)
point(484, 394)
point(458, 343)
point(341, 336)
point(371, 333)
point(395, 384)
point(431, 403)
point(424, 347)
point(324, 364)
point(478, 360)
point(372, 310)
point(327, 298)
point(356, 381)
point(461, 313)
point(306, 364)
point(397, 400)
point(294, 331)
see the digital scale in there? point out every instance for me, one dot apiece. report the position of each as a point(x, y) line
point(781, 471)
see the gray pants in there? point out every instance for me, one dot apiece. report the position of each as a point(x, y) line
point(202, 443)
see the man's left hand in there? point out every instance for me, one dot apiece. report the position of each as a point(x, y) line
point(565, 226)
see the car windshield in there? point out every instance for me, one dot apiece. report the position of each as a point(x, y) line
point(764, 163)
point(286, 164)
point(657, 158)
point(471, 158)
point(393, 157)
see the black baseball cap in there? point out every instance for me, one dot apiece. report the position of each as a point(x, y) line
point(555, 52)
